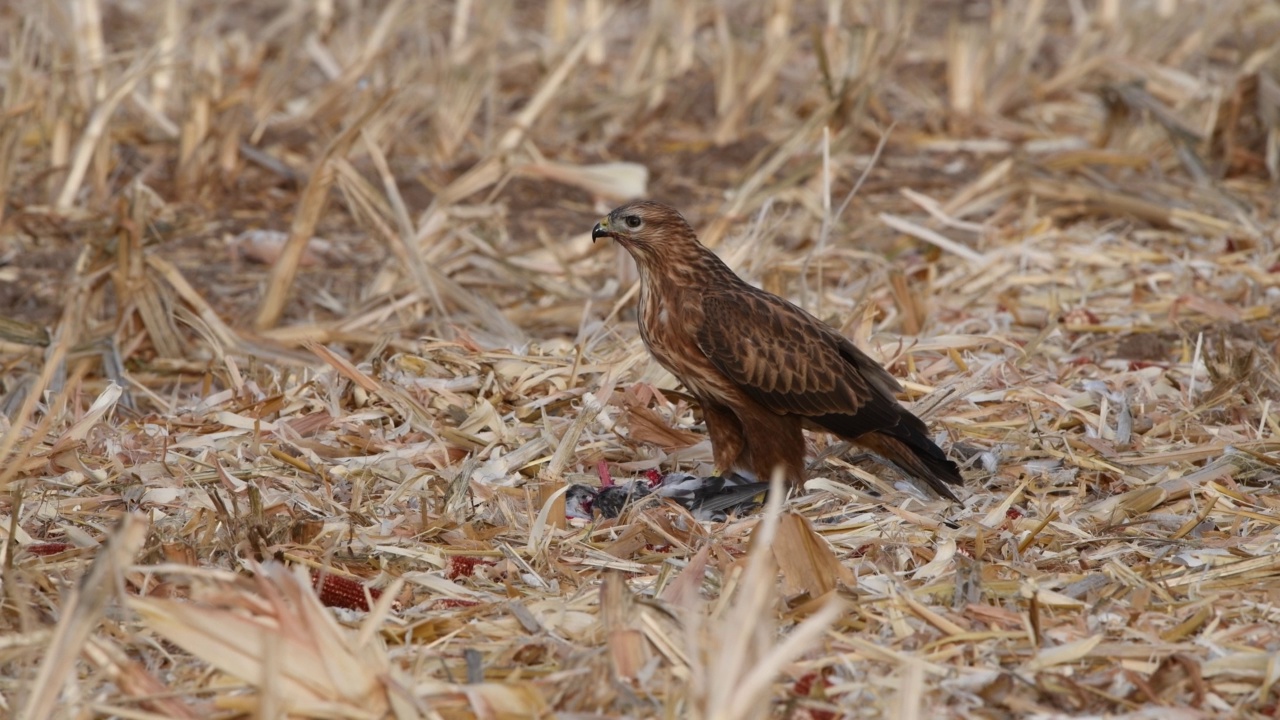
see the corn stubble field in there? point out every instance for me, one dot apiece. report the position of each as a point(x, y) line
point(300, 309)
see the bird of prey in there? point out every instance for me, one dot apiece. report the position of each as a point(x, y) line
point(762, 368)
point(710, 499)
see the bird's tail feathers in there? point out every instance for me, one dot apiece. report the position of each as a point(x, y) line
point(911, 451)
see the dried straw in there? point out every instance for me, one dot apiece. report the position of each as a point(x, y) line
point(304, 335)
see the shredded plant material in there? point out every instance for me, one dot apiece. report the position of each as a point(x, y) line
point(306, 341)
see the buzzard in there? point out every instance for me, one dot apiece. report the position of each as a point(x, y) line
point(762, 368)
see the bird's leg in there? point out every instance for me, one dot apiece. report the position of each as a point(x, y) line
point(726, 437)
point(774, 441)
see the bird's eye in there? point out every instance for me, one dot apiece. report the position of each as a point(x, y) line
point(632, 221)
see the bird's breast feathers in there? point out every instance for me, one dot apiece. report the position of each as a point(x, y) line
point(668, 326)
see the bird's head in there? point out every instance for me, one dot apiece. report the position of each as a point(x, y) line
point(647, 229)
point(579, 501)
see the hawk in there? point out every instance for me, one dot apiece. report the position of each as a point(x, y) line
point(762, 368)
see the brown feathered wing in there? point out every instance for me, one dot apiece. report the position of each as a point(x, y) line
point(792, 363)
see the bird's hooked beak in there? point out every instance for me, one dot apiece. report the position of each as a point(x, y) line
point(601, 230)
